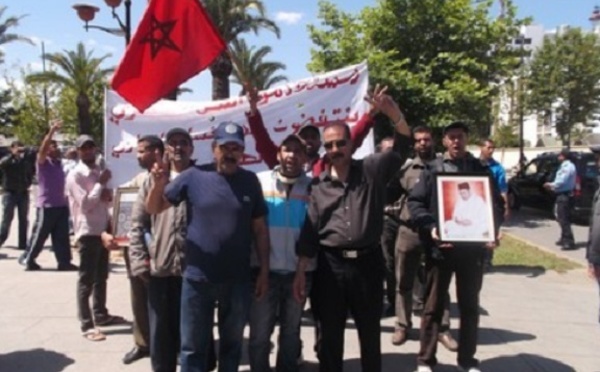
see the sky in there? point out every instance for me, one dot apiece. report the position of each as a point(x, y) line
point(55, 23)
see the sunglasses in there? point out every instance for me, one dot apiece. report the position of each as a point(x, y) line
point(339, 144)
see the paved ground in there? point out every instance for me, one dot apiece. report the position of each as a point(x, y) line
point(531, 321)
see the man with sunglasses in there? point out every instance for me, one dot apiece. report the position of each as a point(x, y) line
point(342, 228)
point(226, 217)
point(309, 133)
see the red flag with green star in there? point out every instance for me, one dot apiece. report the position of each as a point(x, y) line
point(175, 40)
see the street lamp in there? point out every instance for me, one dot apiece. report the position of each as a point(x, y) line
point(522, 41)
point(87, 13)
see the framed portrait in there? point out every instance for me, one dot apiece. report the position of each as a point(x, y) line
point(122, 210)
point(465, 208)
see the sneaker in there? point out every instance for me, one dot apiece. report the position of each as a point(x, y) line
point(67, 267)
point(32, 266)
point(22, 259)
point(424, 369)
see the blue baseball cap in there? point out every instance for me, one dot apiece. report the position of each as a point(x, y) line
point(229, 132)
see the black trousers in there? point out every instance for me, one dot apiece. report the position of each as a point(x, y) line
point(93, 274)
point(355, 285)
point(388, 248)
point(53, 222)
point(563, 217)
point(164, 304)
point(466, 263)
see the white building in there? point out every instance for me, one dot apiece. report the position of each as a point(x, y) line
point(536, 131)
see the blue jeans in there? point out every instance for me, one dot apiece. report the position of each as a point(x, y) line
point(198, 300)
point(10, 201)
point(278, 304)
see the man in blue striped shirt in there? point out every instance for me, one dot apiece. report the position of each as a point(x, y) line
point(563, 186)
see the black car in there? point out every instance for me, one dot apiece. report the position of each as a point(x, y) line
point(526, 187)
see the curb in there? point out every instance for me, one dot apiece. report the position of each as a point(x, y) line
point(560, 254)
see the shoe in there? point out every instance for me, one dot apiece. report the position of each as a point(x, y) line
point(67, 267)
point(446, 339)
point(568, 247)
point(32, 266)
point(470, 369)
point(22, 259)
point(110, 320)
point(399, 337)
point(559, 242)
point(135, 354)
point(424, 369)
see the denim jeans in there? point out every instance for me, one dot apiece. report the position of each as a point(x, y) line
point(278, 304)
point(10, 201)
point(198, 300)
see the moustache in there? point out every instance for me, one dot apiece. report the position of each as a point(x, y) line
point(230, 160)
point(336, 155)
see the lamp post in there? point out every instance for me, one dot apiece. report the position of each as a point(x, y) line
point(522, 41)
point(87, 13)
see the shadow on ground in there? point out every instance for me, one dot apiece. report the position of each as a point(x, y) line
point(496, 336)
point(35, 360)
point(524, 363)
point(527, 271)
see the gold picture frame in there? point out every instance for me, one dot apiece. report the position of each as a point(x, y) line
point(125, 197)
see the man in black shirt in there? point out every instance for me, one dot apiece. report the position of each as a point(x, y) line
point(18, 168)
point(343, 226)
point(443, 259)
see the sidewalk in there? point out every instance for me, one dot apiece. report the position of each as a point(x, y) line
point(531, 321)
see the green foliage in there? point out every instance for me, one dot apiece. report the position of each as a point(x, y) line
point(79, 72)
point(6, 25)
point(506, 136)
point(438, 57)
point(7, 113)
point(253, 69)
point(234, 18)
point(564, 78)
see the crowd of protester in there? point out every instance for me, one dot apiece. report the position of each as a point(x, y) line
point(347, 236)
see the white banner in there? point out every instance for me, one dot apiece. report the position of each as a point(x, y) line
point(317, 100)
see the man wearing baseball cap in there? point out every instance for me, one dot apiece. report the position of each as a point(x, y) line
point(89, 201)
point(443, 260)
point(286, 194)
point(227, 216)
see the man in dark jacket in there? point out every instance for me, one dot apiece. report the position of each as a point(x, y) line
point(444, 260)
point(18, 168)
point(593, 246)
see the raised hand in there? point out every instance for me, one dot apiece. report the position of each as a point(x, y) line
point(253, 98)
point(56, 125)
point(160, 170)
point(104, 177)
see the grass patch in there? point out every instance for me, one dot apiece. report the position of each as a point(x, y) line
point(514, 253)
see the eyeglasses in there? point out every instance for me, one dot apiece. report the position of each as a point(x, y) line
point(339, 144)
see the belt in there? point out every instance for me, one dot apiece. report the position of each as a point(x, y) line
point(349, 253)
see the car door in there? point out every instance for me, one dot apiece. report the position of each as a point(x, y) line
point(524, 183)
point(546, 173)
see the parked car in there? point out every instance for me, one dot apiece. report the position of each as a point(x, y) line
point(526, 187)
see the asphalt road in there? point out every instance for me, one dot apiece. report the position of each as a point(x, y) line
point(540, 229)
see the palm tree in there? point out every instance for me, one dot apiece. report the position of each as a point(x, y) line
point(7, 24)
point(79, 71)
point(253, 69)
point(233, 18)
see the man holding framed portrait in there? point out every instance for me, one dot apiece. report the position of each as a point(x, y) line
point(458, 241)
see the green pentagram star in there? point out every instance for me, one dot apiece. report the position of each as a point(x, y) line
point(163, 40)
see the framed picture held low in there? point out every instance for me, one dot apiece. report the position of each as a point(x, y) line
point(465, 208)
point(122, 210)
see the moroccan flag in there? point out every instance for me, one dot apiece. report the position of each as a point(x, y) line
point(174, 41)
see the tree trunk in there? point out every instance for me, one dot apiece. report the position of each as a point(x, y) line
point(221, 69)
point(83, 114)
